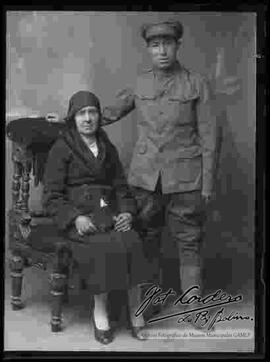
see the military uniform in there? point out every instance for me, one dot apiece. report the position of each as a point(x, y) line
point(173, 160)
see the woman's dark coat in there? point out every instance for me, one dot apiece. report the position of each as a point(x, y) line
point(75, 180)
point(71, 167)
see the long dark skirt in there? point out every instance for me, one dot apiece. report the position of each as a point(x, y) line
point(110, 261)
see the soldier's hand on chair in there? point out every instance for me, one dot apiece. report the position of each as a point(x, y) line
point(123, 222)
point(85, 225)
point(52, 117)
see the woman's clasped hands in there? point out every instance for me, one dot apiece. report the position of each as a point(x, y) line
point(84, 224)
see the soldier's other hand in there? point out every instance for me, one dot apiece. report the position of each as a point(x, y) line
point(52, 117)
point(84, 225)
point(123, 222)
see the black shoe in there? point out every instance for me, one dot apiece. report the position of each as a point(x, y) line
point(135, 332)
point(103, 336)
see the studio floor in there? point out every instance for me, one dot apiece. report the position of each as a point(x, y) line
point(29, 329)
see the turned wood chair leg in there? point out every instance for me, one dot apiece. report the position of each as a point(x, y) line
point(16, 267)
point(58, 282)
point(64, 266)
point(16, 184)
point(25, 186)
point(67, 272)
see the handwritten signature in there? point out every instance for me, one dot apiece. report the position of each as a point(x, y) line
point(199, 314)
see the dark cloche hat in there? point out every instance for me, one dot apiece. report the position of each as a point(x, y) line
point(80, 100)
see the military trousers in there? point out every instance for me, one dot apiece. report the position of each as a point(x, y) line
point(184, 216)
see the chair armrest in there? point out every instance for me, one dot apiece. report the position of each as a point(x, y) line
point(40, 218)
point(43, 220)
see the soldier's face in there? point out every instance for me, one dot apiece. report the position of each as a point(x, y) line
point(163, 51)
point(87, 120)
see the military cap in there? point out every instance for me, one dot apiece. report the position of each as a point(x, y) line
point(168, 28)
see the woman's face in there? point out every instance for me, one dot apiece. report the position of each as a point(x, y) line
point(87, 120)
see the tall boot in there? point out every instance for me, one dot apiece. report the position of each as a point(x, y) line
point(190, 276)
point(136, 323)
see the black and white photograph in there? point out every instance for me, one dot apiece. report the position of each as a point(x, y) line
point(130, 181)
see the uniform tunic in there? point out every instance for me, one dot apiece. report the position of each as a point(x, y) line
point(176, 131)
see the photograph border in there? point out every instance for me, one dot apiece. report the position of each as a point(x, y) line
point(260, 205)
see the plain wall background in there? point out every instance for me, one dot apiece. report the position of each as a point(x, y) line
point(51, 55)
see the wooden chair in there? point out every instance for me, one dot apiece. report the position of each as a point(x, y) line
point(33, 237)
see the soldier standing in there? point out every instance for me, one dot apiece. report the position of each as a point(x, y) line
point(172, 169)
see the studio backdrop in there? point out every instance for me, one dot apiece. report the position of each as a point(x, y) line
point(51, 55)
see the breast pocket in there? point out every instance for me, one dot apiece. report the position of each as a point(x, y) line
point(146, 104)
point(146, 97)
point(182, 109)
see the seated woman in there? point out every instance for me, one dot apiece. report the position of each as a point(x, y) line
point(85, 190)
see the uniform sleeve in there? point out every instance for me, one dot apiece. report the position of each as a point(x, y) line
point(208, 135)
point(124, 198)
point(125, 103)
point(54, 197)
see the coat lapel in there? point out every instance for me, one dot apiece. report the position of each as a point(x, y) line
point(81, 150)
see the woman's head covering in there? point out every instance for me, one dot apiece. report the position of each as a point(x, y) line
point(80, 100)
